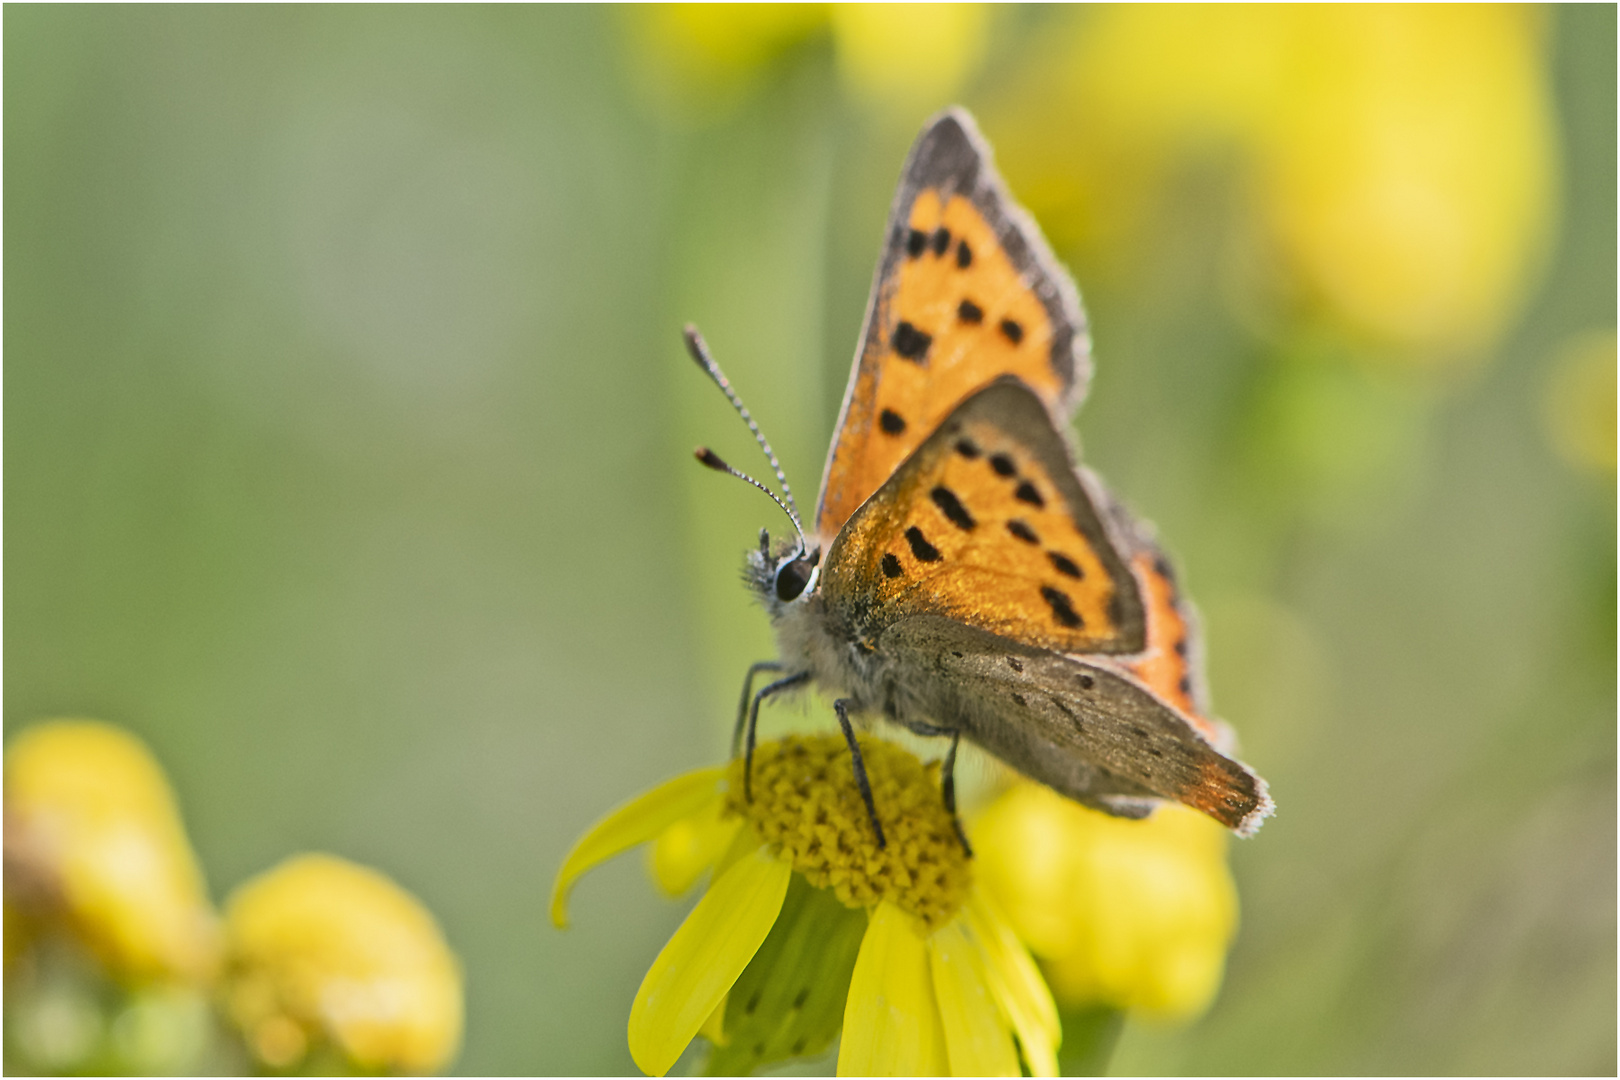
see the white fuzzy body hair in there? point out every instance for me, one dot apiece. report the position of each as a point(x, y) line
point(809, 639)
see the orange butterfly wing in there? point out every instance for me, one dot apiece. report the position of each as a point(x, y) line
point(966, 291)
point(1169, 665)
point(989, 524)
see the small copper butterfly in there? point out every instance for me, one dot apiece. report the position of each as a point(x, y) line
point(965, 578)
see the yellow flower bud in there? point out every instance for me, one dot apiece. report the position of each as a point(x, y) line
point(321, 952)
point(95, 838)
point(1130, 914)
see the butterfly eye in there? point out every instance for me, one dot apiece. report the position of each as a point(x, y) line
point(792, 576)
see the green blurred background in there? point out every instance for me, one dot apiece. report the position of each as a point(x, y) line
point(347, 436)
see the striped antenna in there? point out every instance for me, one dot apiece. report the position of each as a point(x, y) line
point(700, 353)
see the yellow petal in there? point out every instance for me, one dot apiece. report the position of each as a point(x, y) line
point(710, 949)
point(891, 1021)
point(690, 846)
point(636, 822)
point(976, 1038)
point(1016, 983)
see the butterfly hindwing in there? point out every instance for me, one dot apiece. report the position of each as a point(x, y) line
point(989, 524)
point(1172, 658)
point(1010, 598)
point(966, 291)
point(1084, 729)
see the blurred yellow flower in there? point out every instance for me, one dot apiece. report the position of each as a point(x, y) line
point(1579, 408)
point(1129, 914)
point(708, 55)
point(324, 953)
point(909, 56)
point(937, 983)
point(891, 56)
point(93, 836)
point(1403, 157)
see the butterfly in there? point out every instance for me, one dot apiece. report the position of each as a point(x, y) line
point(965, 578)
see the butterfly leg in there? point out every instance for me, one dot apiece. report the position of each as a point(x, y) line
point(841, 707)
point(948, 773)
point(742, 706)
point(950, 792)
point(753, 722)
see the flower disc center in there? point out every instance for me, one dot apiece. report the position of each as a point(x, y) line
point(805, 801)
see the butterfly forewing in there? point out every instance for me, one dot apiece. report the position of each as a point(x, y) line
point(966, 291)
point(988, 524)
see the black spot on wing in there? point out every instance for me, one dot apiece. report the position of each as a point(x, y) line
point(1003, 465)
point(1066, 711)
point(891, 565)
point(1062, 607)
point(1016, 664)
point(1185, 685)
point(1021, 530)
point(916, 243)
point(1086, 681)
point(920, 547)
point(891, 422)
point(952, 507)
point(941, 240)
point(1020, 699)
point(969, 312)
point(911, 342)
point(1063, 564)
point(968, 448)
point(964, 254)
point(1181, 648)
point(1012, 331)
point(1026, 493)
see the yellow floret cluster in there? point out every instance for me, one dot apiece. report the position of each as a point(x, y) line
point(805, 800)
point(323, 948)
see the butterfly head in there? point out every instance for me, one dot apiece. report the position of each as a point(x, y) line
point(784, 575)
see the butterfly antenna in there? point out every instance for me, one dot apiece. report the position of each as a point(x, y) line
point(713, 460)
point(700, 352)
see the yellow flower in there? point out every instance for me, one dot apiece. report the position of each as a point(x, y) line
point(909, 56)
point(323, 953)
point(1401, 157)
point(1129, 914)
point(698, 58)
point(803, 904)
point(93, 837)
point(905, 57)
